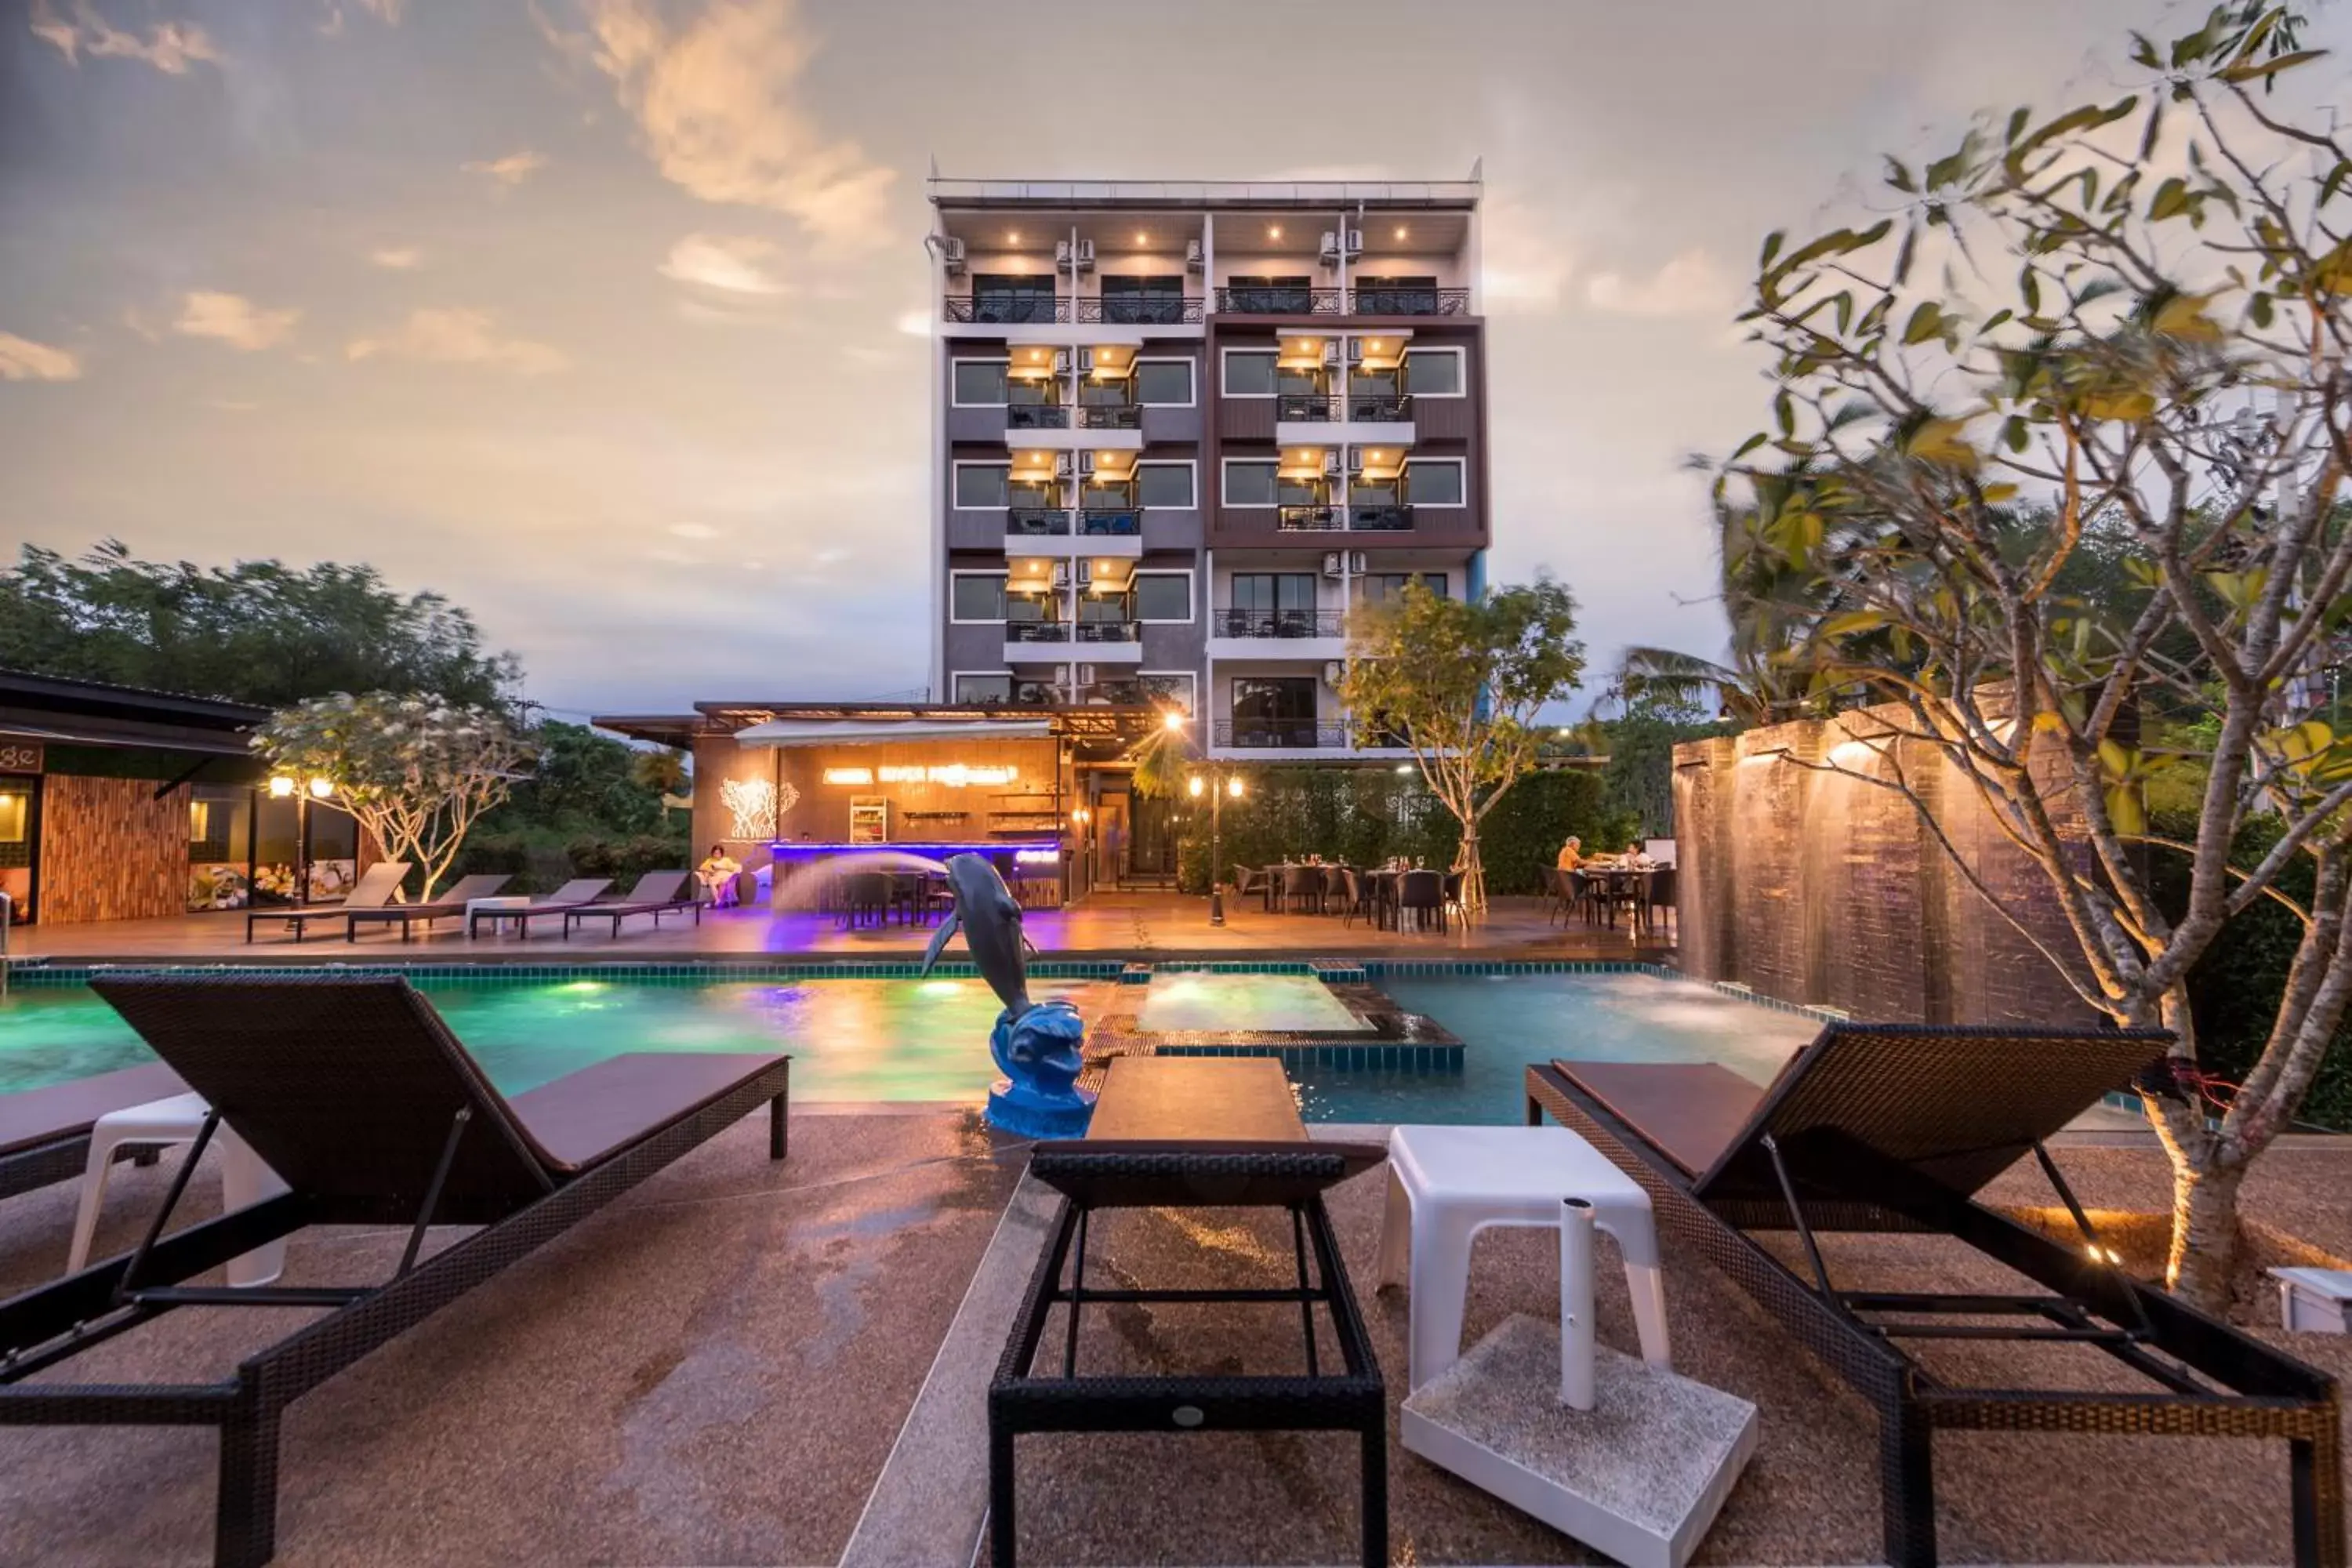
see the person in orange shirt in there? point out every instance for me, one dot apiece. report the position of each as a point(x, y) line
point(1571, 854)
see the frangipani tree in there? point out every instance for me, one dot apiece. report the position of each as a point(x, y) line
point(2119, 332)
point(1459, 683)
point(414, 771)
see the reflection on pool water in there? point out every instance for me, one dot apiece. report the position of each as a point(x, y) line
point(928, 1039)
point(1180, 1002)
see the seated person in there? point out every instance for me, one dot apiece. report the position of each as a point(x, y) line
point(718, 875)
point(1571, 854)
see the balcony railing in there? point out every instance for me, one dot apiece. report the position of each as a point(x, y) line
point(1379, 519)
point(1408, 302)
point(1361, 518)
point(1111, 520)
point(1036, 309)
point(1288, 735)
point(1280, 300)
point(1278, 624)
point(1141, 310)
point(1310, 519)
point(1364, 407)
point(1037, 416)
point(1110, 416)
point(1109, 631)
point(1037, 521)
point(1037, 631)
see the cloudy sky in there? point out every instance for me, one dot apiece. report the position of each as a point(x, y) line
point(600, 316)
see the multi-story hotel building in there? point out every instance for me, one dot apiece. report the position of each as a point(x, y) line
point(1185, 432)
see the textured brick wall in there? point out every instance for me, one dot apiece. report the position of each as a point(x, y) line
point(1816, 887)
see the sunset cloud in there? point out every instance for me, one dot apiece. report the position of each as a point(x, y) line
point(22, 358)
point(170, 47)
point(233, 319)
point(512, 170)
point(733, 264)
point(1693, 284)
point(448, 336)
point(399, 258)
point(715, 101)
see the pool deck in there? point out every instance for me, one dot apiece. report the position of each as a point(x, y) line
point(1142, 926)
point(745, 1363)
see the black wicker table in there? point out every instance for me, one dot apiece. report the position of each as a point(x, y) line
point(1186, 1132)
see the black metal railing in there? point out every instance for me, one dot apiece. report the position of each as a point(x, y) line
point(1110, 416)
point(1037, 416)
point(1278, 623)
point(1141, 310)
point(1302, 407)
point(1037, 520)
point(1379, 407)
point(1309, 519)
point(1280, 300)
point(1382, 518)
point(1120, 520)
point(1109, 631)
point(1408, 302)
point(1291, 735)
point(1007, 309)
point(1036, 631)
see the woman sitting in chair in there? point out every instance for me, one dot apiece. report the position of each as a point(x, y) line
point(718, 875)
point(1571, 854)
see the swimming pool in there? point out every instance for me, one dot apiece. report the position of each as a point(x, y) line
point(914, 1040)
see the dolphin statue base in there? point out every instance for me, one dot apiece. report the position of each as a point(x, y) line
point(1039, 1047)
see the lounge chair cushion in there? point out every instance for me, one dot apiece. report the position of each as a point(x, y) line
point(1690, 1111)
point(33, 1117)
point(586, 1117)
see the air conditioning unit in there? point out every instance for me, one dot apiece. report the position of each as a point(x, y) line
point(1087, 253)
point(1355, 242)
point(1062, 255)
point(951, 255)
point(1328, 251)
point(1334, 673)
point(1355, 351)
point(1085, 359)
point(1331, 351)
point(1061, 465)
point(1331, 461)
point(1333, 567)
point(1356, 562)
point(1086, 675)
point(1086, 462)
point(1061, 574)
point(1195, 260)
point(1355, 459)
point(1061, 361)
point(1086, 571)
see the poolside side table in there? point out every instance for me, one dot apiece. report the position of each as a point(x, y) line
point(504, 901)
point(1448, 1183)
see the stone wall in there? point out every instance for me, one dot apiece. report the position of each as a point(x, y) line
point(1817, 887)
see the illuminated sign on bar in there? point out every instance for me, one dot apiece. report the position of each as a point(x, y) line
point(849, 776)
point(1039, 857)
point(954, 775)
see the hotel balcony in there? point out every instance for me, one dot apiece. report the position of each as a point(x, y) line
point(1306, 300)
point(1060, 427)
point(1372, 419)
point(1277, 735)
point(1361, 518)
point(1057, 642)
point(1027, 310)
point(1115, 532)
point(1318, 636)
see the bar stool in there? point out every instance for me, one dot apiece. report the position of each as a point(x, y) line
point(160, 1123)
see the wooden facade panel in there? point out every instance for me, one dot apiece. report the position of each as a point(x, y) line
point(111, 850)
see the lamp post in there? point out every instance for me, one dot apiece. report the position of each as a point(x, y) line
point(1216, 785)
point(285, 786)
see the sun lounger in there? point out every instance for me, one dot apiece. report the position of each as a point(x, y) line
point(394, 1127)
point(451, 904)
point(44, 1133)
point(375, 889)
point(1176, 1132)
point(571, 896)
point(656, 893)
point(1879, 1127)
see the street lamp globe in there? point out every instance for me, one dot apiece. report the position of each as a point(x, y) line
point(1197, 786)
point(280, 785)
point(320, 788)
point(1233, 786)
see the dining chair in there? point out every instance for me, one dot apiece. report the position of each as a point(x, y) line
point(1351, 895)
point(1421, 894)
point(1334, 888)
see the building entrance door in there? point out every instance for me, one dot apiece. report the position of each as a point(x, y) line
point(1112, 838)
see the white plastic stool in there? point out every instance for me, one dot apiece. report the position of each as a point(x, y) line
point(1448, 1183)
point(160, 1123)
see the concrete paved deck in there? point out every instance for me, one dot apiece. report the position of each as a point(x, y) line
point(1107, 925)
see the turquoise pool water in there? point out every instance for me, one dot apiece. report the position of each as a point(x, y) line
point(927, 1039)
point(1509, 1020)
point(1176, 1002)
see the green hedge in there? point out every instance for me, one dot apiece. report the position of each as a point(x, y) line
point(1364, 816)
point(2234, 990)
point(541, 862)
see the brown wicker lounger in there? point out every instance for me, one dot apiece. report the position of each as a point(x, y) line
point(375, 889)
point(1176, 1132)
point(354, 1092)
point(573, 894)
point(1882, 1127)
point(450, 904)
point(44, 1133)
point(656, 893)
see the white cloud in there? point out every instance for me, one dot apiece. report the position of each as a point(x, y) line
point(1525, 262)
point(714, 100)
point(232, 404)
point(1693, 284)
point(231, 319)
point(386, 11)
point(733, 264)
point(170, 47)
point(512, 170)
point(693, 530)
point(460, 337)
point(22, 358)
point(915, 323)
point(399, 258)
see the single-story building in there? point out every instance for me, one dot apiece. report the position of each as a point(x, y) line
point(1044, 791)
point(122, 803)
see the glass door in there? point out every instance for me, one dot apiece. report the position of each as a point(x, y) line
point(20, 838)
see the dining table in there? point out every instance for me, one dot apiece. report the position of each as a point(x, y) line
point(1628, 885)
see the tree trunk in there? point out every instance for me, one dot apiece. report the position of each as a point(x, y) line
point(1473, 875)
point(2204, 1233)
